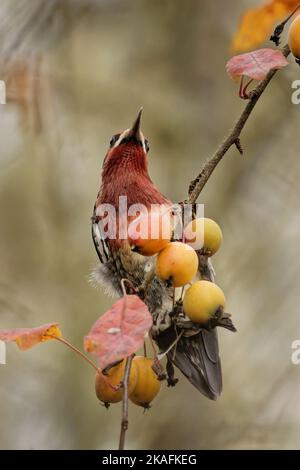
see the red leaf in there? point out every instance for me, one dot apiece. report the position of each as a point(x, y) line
point(28, 337)
point(120, 331)
point(256, 64)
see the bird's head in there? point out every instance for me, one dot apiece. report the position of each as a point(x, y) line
point(127, 151)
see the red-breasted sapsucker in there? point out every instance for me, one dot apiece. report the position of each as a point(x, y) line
point(125, 174)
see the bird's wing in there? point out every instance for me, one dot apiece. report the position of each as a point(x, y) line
point(198, 359)
point(99, 241)
point(100, 244)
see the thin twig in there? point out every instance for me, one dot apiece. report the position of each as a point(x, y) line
point(173, 298)
point(80, 353)
point(182, 292)
point(163, 354)
point(152, 343)
point(123, 287)
point(200, 181)
point(124, 422)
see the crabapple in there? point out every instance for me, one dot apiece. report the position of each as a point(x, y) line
point(202, 300)
point(204, 234)
point(177, 263)
point(147, 384)
point(107, 386)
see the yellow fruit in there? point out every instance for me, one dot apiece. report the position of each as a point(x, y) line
point(177, 263)
point(147, 385)
point(204, 234)
point(294, 37)
point(150, 233)
point(202, 300)
point(105, 384)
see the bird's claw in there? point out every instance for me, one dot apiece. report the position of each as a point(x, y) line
point(171, 379)
point(158, 369)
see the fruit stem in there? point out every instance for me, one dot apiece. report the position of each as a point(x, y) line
point(290, 16)
point(145, 349)
point(163, 354)
point(124, 422)
point(80, 353)
point(152, 343)
point(173, 298)
point(182, 292)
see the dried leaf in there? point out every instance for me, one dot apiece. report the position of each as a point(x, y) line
point(26, 338)
point(257, 24)
point(120, 331)
point(256, 64)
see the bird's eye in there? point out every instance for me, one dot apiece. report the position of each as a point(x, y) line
point(147, 146)
point(113, 140)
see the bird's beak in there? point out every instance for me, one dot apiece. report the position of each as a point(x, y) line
point(135, 130)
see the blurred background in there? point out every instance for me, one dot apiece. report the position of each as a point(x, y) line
point(76, 72)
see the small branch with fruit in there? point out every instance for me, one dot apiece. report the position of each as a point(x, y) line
point(119, 333)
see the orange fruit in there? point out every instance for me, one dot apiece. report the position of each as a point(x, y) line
point(177, 263)
point(147, 385)
point(105, 385)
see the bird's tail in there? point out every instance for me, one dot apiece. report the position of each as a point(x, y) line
point(198, 359)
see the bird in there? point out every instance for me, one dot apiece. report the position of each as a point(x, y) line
point(191, 349)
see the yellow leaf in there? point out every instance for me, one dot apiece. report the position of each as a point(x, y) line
point(52, 332)
point(257, 24)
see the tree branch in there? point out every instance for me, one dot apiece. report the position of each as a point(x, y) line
point(124, 422)
point(233, 138)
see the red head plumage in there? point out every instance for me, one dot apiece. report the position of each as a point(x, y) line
point(125, 170)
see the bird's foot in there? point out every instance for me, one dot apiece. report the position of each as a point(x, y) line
point(158, 369)
point(171, 379)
